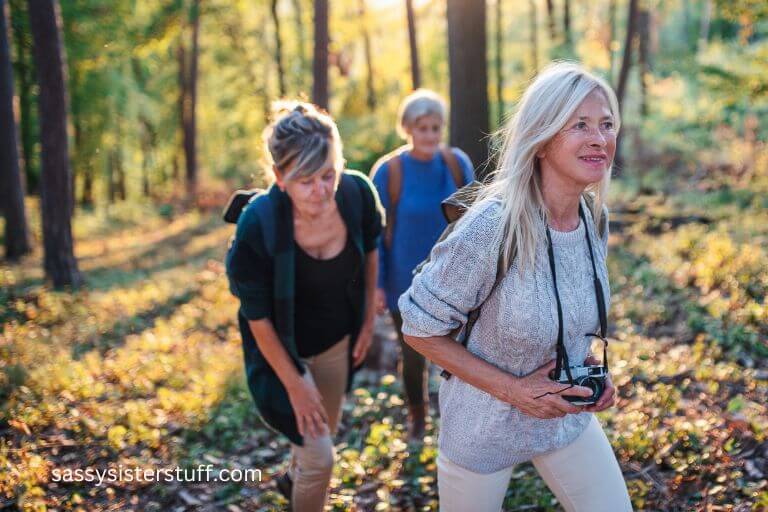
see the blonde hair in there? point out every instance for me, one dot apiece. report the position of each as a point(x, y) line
point(301, 136)
point(544, 109)
point(420, 103)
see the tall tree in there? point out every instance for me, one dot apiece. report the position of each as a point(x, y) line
point(320, 61)
point(413, 44)
point(468, 79)
point(11, 188)
point(278, 49)
point(706, 18)
point(56, 194)
point(499, 62)
point(371, 96)
point(567, 23)
point(643, 55)
point(626, 62)
point(300, 43)
point(534, 22)
point(551, 20)
point(25, 75)
point(611, 37)
point(189, 117)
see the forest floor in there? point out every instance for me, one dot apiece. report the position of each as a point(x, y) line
point(143, 368)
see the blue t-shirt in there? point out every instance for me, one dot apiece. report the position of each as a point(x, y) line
point(419, 219)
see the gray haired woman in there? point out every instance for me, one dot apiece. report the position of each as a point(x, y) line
point(543, 223)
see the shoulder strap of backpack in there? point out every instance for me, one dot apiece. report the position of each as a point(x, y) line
point(394, 186)
point(453, 165)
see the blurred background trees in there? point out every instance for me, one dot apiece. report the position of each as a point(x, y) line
point(166, 100)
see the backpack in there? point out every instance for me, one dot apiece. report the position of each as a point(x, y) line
point(238, 201)
point(454, 207)
point(395, 182)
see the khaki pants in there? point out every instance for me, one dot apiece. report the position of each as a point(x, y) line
point(312, 464)
point(584, 476)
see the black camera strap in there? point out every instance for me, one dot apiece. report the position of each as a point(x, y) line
point(562, 362)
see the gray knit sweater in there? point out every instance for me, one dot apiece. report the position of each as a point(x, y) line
point(516, 331)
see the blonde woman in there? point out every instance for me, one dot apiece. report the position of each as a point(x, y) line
point(412, 181)
point(303, 264)
point(545, 214)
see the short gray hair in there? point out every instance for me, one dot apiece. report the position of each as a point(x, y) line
point(420, 103)
point(301, 136)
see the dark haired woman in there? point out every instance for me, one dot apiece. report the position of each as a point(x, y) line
point(303, 264)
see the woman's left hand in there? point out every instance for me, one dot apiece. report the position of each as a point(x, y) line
point(362, 344)
point(608, 398)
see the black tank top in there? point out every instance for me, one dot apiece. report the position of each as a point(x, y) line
point(323, 312)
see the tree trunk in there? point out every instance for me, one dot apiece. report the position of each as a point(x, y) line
point(612, 38)
point(119, 173)
point(278, 49)
point(413, 44)
point(567, 22)
point(190, 107)
point(369, 85)
point(320, 61)
point(626, 63)
point(706, 18)
point(301, 43)
point(551, 20)
point(25, 75)
point(181, 61)
point(468, 80)
point(643, 22)
point(534, 36)
point(11, 187)
point(499, 63)
point(56, 183)
point(86, 196)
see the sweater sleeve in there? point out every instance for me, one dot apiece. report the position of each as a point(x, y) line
point(458, 278)
point(379, 175)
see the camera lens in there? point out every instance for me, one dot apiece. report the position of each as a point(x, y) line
point(596, 385)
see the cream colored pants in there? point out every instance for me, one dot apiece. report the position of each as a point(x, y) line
point(584, 476)
point(312, 464)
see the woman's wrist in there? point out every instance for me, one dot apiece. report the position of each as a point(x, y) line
point(508, 389)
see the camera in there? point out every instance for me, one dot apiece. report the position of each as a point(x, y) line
point(592, 377)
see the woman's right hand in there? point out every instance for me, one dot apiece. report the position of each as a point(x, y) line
point(307, 403)
point(522, 393)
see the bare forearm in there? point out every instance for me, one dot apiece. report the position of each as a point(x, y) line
point(371, 278)
point(452, 356)
point(274, 352)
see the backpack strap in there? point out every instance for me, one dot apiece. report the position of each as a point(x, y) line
point(453, 165)
point(394, 187)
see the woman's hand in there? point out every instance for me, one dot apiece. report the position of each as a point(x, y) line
point(523, 391)
point(381, 301)
point(362, 344)
point(307, 403)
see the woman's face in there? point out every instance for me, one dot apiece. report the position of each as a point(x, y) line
point(426, 134)
point(582, 152)
point(314, 194)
